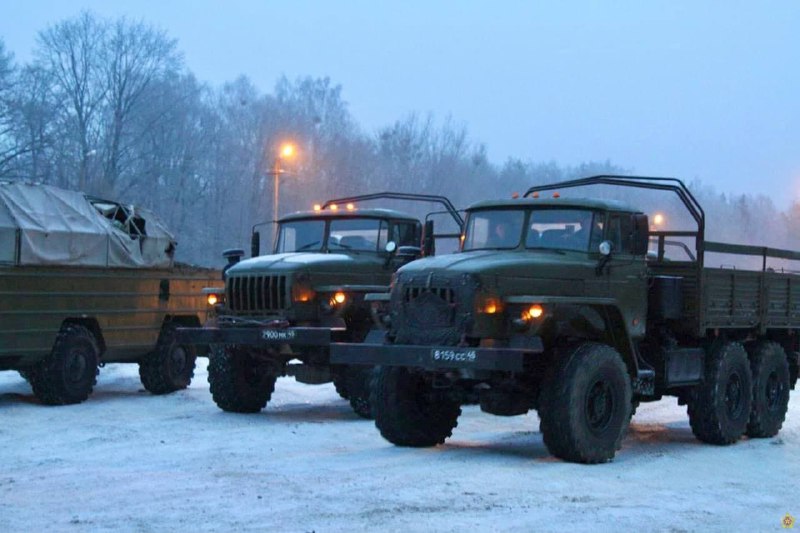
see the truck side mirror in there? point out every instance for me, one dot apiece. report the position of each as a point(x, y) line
point(255, 244)
point(641, 234)
point(428, 240)
point(233, 255)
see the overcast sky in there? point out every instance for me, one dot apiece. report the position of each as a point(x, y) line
point(663, 88)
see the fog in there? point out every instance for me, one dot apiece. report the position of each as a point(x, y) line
point(462, 99)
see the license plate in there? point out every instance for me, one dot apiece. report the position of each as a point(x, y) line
point(453, 356)
point(278, 334)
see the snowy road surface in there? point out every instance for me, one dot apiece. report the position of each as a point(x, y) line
point(128, 461)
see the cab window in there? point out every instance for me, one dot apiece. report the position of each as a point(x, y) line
point(620, 232)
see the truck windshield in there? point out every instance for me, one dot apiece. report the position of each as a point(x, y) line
point(359, 234)
point(554, 229)
point(564, 229)
point(500, 229)
point(301, 236)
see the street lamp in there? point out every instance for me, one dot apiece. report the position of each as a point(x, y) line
point(287, 151)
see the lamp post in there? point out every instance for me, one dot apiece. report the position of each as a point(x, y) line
point(286, 151)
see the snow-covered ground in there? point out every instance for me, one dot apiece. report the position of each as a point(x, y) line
point(128, 461)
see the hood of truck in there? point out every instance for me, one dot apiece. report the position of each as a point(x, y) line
point(546, 264)
point(310, 262)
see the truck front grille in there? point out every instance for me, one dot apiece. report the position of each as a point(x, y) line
point(256, 293)
point(445, 293)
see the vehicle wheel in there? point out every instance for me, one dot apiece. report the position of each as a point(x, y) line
point(719, 408)
point(170, 366)
point(69, 373)
point(358, 382)
point(239, 383)
point(27, 373)
point(770, 370)
point(409, 411)
point(585, 404)
point(340, 382)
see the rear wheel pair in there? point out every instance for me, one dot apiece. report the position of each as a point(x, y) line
point(741, 395)
point(68, 374)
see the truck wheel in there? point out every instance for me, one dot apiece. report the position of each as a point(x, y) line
point(340, 383)
point(719, 408)
point(770, 390)
point(358, 382)
point(585, 404)
point(239, 383)
point(69, 373)
point(170, 366)
point(409, 411)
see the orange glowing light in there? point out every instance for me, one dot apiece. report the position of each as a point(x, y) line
point(317, 207)
point(534, 311)
point(339, 297)
point(333, 207)
point(350, 207)
point(212, 299)
point(287, 150)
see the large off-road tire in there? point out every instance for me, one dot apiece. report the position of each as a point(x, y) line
point(69, 373)
point(585, 404)
point(340, 378)
point(409, 411)
point(238, 382)
point(170, 367)
point(719, 408)
point(358, 379)
point(770, 369)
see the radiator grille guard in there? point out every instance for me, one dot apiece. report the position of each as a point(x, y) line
point(432, 310)
point(257, 294)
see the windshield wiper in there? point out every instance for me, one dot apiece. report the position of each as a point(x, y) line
point(555, 250)
point(307, 246)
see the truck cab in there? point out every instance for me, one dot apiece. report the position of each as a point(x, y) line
point(559, 305)
point(280, 311)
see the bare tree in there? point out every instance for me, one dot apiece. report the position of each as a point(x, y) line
point(133, 56)
point(72, 52)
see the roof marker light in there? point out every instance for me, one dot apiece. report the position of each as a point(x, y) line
point(333, 207)
point(556, 194)
point(317, 207)
point(351, 207)
point(536, 194)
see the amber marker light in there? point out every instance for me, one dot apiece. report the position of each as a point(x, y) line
point(533, 312)
point(339, 297)
point(212, 299)
point(334, 207)
point(317, 207)
point(491, 307)
point(351, 207)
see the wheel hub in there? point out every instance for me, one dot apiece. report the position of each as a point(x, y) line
point(75, 366)
point(599, 406)
point(774, 391)
point(733, 396)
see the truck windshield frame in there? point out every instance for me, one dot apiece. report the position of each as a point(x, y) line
point(339, 234)
point(307, 235)
point(566, 229)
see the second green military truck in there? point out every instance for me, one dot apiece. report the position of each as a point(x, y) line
point(571, 307)
point(279, 312)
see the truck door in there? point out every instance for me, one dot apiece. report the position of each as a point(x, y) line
point(626, 274)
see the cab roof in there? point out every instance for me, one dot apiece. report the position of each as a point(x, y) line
point(342, 212)
point(583, 203)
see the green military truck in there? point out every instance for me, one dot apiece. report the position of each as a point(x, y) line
point(558, 305)
point(279, 312)
point(86, 281)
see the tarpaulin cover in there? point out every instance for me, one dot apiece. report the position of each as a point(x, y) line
point(61, 227)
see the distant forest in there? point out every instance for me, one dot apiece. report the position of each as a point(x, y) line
point(109, 107)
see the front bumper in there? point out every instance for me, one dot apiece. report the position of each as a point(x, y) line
point(435, 357)
point(257, 336)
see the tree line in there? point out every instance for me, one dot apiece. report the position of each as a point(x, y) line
point(108, 106)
